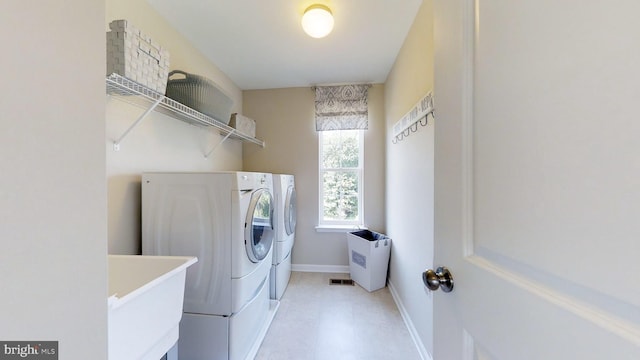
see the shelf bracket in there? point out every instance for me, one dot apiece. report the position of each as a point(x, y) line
point(219, 143)
point(116, 144)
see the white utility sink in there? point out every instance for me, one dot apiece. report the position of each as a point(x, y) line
point(146, 294)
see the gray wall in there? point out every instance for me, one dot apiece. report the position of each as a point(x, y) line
point(53, 201)
point(285, 120)
point(410, 165)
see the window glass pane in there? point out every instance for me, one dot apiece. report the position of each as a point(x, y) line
point(340, 149)
point(263, 211)
point(340, 189)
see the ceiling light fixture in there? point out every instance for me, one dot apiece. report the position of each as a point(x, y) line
point(317, 21)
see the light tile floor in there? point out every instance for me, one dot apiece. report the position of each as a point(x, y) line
point(318, 321)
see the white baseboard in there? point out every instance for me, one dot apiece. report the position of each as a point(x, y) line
point(424, 354)
point(343, 269)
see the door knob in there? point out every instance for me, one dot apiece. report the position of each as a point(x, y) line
point(439, 279)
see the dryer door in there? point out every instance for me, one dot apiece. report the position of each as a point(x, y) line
point(259, 234)
point(290, 211)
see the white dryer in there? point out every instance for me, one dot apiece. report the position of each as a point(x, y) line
point(285, 226)
point(226, 220)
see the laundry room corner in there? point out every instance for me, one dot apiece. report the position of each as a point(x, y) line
point(285, 120)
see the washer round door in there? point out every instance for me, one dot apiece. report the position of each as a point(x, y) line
point(290, 211)
point(259, 233)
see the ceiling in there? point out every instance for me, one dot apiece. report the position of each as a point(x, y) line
point(260, 44)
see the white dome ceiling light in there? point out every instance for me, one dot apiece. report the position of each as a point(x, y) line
point(317, 21)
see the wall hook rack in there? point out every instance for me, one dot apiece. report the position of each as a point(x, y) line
point(417, 115)
point(424, 121)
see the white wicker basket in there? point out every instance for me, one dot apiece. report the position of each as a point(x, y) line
point(243, 124)
point(132, 54)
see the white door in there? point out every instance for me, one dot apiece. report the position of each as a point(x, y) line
point(537, 179)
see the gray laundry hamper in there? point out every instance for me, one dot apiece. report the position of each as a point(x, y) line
point(369, 258)
point(200, 94)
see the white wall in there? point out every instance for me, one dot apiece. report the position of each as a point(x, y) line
point(285, 120)
point(53, 202)
point(410, 165)
point(159, 143)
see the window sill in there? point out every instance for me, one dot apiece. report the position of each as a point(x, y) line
point(339, 228)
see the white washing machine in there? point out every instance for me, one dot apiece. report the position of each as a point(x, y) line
point(226, 220)
point(285, 226)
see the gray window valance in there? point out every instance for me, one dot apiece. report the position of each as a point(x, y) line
point(342, 107)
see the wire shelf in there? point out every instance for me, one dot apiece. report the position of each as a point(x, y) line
point(140, 95)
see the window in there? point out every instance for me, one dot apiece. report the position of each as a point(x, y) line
point(341, 171)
